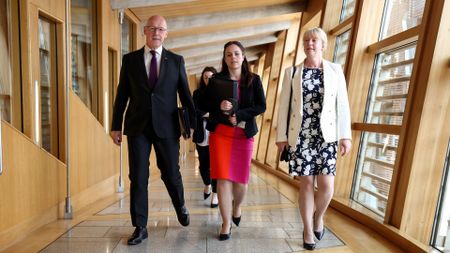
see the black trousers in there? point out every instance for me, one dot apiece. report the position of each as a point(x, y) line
point(167, 159)
point(204, 166)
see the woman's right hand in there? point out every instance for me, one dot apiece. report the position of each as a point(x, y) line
point(226, 106)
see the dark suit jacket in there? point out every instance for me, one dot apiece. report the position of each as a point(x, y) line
point(252, 103)
point(160, 106)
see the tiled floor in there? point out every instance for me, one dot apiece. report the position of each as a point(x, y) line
point(270, 223)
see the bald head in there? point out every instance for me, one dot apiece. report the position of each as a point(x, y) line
point(155, 31)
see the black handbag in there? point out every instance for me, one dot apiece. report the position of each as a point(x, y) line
point(285, 156)
point(185, 125)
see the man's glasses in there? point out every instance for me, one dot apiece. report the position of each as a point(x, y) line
point(156, 29)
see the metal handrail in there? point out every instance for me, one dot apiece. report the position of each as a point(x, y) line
point(120, 187)
point(68, 214)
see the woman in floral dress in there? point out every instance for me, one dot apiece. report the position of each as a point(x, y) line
point(319, 127)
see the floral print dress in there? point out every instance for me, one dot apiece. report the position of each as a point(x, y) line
point(312, 155)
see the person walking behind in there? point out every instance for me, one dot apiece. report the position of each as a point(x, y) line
point(201, 138)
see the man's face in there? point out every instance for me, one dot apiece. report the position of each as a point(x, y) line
point(155, 31)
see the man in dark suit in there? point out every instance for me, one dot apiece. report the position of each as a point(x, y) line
point(150, 79)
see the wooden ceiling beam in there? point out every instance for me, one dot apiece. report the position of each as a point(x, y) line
point(204, 6)
point(123, 4)
point(211, 28)
point(225, 35)
point(197, 69)
point(234, 16)
point(218, 47)
point(218, 56)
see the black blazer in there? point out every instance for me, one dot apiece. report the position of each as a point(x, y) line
point(252, 103)
point(199, 132)
point(160, 106)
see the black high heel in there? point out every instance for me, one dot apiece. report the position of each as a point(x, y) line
point(308, 246)
point(224, 237)
point(236, 220)
point(318, 234)
point(207, 194)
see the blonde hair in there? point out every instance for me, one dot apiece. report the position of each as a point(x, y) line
point(318, 33)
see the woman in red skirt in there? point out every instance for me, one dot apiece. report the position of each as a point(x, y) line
point(232, 126)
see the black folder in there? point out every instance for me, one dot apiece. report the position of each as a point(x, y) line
point(185, 124)
point(224, 89)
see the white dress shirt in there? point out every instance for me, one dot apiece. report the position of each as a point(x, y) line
point(148, 57)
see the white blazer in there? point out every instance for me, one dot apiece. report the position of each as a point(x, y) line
point(335, 119)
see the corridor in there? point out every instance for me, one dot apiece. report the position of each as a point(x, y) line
point(270, 223)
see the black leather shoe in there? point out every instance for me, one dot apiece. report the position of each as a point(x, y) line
point(139, 234)
point(206, 195)
point(236, 220)
point(308, 246)
point(183, 216)
point(224, 237)
point(214, 205)
point(319, 234)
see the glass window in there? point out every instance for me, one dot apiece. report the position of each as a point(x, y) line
point(376, 158)
point(5, 67)
point(441, 230)
point(83, 53)
point(400, 15)
point(348, 8)
point(127, 32)
point(389, 87)
point(340, 51)
point(48, 86)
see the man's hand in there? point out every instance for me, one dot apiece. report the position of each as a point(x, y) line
point(116, 136)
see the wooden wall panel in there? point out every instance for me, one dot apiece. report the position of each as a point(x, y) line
point(427, 154)
point(271, 94)
point(31, 186)
point(332, 14)
point(93, 156)
point(16, 103)
point(286, 62)
point(138, 29)
point(259, 69)
point(55, 7)
point(27, 107)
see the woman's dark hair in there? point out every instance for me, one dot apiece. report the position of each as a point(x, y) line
point(246, 75)
point(206, 69)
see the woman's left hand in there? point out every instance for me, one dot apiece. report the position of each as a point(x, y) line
point(232, 119)
point(344, 146)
